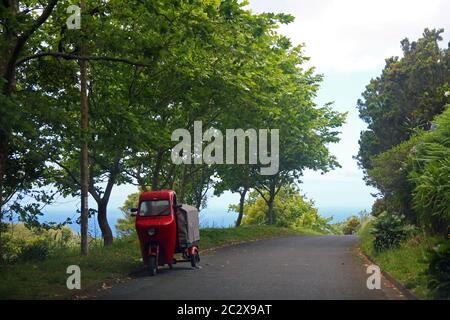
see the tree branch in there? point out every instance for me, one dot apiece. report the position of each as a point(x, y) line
point(70, 56)
point(12, 62)
point(39, 21)
point(261, 193)
point(67, 170)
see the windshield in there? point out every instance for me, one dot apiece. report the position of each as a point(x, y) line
point(154, 208)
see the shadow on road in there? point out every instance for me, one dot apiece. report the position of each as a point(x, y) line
point(142, 272)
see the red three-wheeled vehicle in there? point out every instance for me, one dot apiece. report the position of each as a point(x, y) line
point(165, 228)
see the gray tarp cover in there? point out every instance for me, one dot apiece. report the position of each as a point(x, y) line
point(188, 225)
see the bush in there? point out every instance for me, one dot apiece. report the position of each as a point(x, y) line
point(352, 226)
point(20, 243)
point(389, 174)
point(378, 207)
point(431, 195)
point(439, 270)
point(35, 251)
point(126, 226)
point(389, 230)
point(312, 220)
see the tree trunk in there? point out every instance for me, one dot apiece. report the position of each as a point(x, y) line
point(7, 90)
point(270, 217)
point(84, 157)
point(103, 223)
point(157, 169)
point(182, 186)
point(241, 207)
point(198, 202)
point(102, 202)
point(272, 195)
point(3, 157)
point(170, 178)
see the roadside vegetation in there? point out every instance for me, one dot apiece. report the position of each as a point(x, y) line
point(407, 261)
point(37, 276)
point(405, 154)
point(353, 224)
point(290, 210)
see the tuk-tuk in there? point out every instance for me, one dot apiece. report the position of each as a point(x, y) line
point(165, 228)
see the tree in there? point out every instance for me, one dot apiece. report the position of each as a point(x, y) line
point(407, 95)
point(290, 207)
point(237, 179)
point(17, 26)
point(26, 39)
point(210, 91)
point(282, 99)
point(126, 225)
point(109, 30)
point(390, 174)
point(305, 131)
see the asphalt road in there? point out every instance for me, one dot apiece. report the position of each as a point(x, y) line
point(301, 267)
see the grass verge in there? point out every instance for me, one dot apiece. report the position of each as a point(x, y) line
point(105, 267)
point(211, 237)
point(405, 263)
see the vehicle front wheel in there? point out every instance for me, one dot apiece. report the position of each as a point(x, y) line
point(152, 266)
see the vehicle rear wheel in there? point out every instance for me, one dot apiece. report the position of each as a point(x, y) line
point(195, 259)
point(152, 266)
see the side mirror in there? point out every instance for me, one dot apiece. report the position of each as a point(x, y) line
point(133, 212)
point(177, 206)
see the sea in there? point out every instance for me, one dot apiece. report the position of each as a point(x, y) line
point(209, 218)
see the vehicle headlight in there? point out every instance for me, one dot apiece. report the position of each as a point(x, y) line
point(151, 231)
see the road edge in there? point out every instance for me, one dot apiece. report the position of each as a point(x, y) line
point(405, 291)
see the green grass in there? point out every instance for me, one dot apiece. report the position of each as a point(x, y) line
point(47, 279)
point(405, 263)
point(107, 266)
point(211, 237)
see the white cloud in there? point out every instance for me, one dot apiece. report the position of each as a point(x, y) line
point(356, 35)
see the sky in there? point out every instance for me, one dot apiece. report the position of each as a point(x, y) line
point(348, 42)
